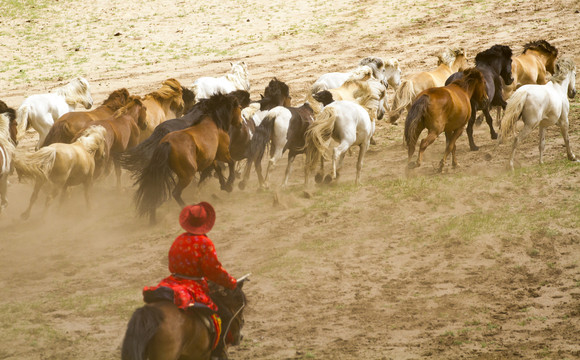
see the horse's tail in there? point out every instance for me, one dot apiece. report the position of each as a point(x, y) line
point(59, 133)
point(261, 137)
point(414, 117)
point(22, 119)
point(318, 134)
point(136, 158)
point(154, 181)
point(513, 111)
point(141, 328)
point(404, 96)
point(36, 165)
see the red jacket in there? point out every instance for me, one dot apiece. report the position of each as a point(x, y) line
point(194, 256)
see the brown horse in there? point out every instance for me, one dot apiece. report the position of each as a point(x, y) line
point(443, 109)
point(70, 124)
point(122, 131)
point(162, 331)
point(8, 141)
point(163, 104)
point(532, 66)
point(185, 152)
point(450, 61)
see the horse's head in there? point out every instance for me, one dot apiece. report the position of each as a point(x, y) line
point(231, 304)
point(10, 115)
point(548, 52)
point(240, 70)
point(277, 93)
point(566, 71)
point(236, 119)
point(85, 92)
point(460, 62)
point(188, 99)
point(393, 73)
point(142, 114)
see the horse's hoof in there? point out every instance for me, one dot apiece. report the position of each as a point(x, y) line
point(494, 136)
point(328, 179)
point(228, 187)
point(373, 142)
point(242, 185)
point(25, 216)
point(412, 165)
point(474, 148)
point(318, 178)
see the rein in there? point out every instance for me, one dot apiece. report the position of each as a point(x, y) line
point(227, 329)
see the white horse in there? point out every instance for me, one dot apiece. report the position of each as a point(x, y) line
point(542, 105)
point(41, 111)
point(8, 140)
point(63, 165)
point(347, 123)
point(387, 72)
point(236, 79)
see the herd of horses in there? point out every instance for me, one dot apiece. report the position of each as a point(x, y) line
point(169, 136)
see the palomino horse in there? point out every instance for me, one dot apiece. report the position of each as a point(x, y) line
point(68, 125)
point(542, 105)
point(135, 159)
point(284, 127)
point(236, 79)
point(63, 165)
point(495, 64)
point(347, 123)
point(8, 141)
point(186, 152)
point(162, 331)
point(122, 131)
point(41, 111)
point(450, 61)
point(443, 109)
point(388, 72)
point(163, 104)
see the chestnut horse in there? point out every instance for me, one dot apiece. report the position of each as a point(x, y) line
point(122, 132)
point(495, 64)
point(185, 152)
point(450, 61)
point(8, 141)
point(68, 125)
point(162, 331)
point(163, 104)
point(443, 109)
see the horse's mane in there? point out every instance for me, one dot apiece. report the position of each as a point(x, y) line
point(243, 97)
point(375, 63)
point(470, 75)
point(493, 52)
point(219, 107)
point(239, 75)
point(7, 115)
point(75, 91)
point(363, 72)
point(447, 56)
point(170, 89)
point(132, 101)
point(392, 62)
point(542, 46)
point(276, 88)
point(563, 67)
point(8, 111)
point(117, 99)
point(92, 138)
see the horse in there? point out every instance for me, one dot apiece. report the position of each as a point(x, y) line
point(42, 110)
point(8, 142)
point(336, 79)
point(185, 152)
point(388, 72)
point(136, 158)
point(532, 65)
point(495, 64)
point(443, 109)
point(449, 61)
point(163, 104)
point(162, 331)
point(236, 79)
point(122, 131)
point(285, 128)
point(542, 105)
point(349, 124)
point(67, 126)
point(63, 165)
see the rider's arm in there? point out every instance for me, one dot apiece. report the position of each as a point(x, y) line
point(212, 268)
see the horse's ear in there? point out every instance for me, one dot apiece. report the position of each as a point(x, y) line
point(231, 63)
point(240, 285)
point(261, 96)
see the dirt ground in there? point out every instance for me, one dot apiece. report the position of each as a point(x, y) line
point(474, 263)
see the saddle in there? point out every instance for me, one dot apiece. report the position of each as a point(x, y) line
point(209, 317)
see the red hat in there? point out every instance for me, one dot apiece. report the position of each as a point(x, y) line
point(197, 219)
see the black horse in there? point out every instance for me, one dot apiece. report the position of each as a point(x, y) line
point(495, 64)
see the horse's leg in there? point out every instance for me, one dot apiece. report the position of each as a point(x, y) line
point(453, 145)
point(411, 149)
point(361, 154)
point(117, 165)
point(337, 157)
point(542, 144)
point(43, 129)
point(291, 158)
point(470, 123)
point(3, 191)
point(37, 186)
point(526, 130)
point(428, 140)
point(182, 183)
point(223, 154)
point(246, 176)
point(489, 121)
point(564, 130)
point(320, 173)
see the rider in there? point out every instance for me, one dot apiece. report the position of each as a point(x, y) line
point(193, 261)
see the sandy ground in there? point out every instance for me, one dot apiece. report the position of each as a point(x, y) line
point(472, 263)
